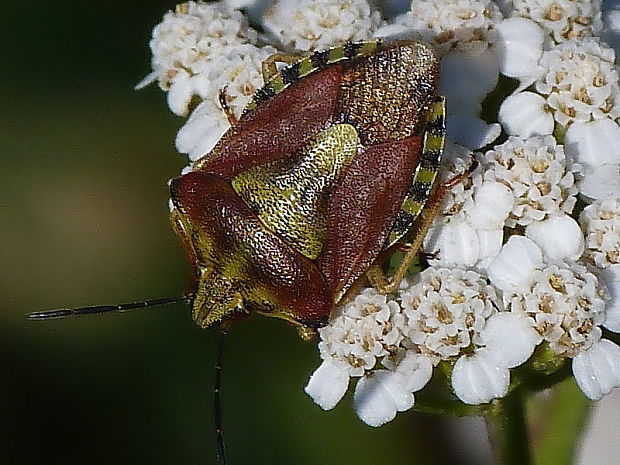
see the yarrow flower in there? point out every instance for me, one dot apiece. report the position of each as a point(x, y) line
point(536, 172)
point(562, 19)
point(188, 43)
point(447, 24)
point(316, 25)
point(601, 224)
point(469, 229)
point(522, 261)
point(568, 306)
point(580, 81)
point(442, 314)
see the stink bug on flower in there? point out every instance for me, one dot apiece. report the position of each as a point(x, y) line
point(331, 167)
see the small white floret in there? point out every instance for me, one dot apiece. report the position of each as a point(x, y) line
point(239, 4)
point(306, 25)
point(328, 384)
point(471, 131)
point(450, 24)
point(611, 278)
point(580, 81)
point(478, 379)
point(191, 40)
point(594, 143)
point(536, 172)
point(567, 305)
point(467, 76)
point(602, 182)
point(518, 47)
point(203, 129)
point(455, 242)
point(490, 242)
point(492, 203)
point(601, 224)
point(526, 114)
point(559, 237)
point(510, 338)
point(445, 310)
point(378, 397)
point(416, 370)
point(180, 93)
point(512, 269)
point(562, 19)
point(597, 370)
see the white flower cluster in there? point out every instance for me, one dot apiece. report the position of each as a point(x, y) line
point(306, 25)
point(200, 49)
point(569, 88)
point(601, 224)
point(447, 24)
point(577, 82)
point(535, 171)
point(511, 267)
point(510, 221)
point(562, 19)
point(393, 345)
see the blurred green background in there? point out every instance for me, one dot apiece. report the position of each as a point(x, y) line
point(85, 161)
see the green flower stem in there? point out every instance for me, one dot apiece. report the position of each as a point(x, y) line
point(561, 425)
point(509, 430)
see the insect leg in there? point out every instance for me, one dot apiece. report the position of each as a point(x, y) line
point(232, 119)
point(375, 274)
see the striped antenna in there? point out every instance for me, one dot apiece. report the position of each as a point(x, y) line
point(98, 309)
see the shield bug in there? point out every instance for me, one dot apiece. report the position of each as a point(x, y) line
point(331, 167)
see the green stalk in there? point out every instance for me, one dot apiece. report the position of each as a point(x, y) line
point(509, 431)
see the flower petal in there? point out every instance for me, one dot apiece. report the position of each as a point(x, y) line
point(524, 114)
point(512, 269)
point(202, 130)
point(378, 397)
point(467, 76)
point(510, 338)
point(594, 143)
point(597, 370)
point(456, 242)
point(492, 203)
point(611, 278)
point(416, 370)
point(518, 47)
point(560, 237)
point(471, 131)
point(479, 379)
point(602, 182)
point(328, 384)
point(180, 94)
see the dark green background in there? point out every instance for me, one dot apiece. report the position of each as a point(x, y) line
point(85, 161)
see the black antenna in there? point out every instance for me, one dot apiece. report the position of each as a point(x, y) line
point(220, 453)
point(95, 310)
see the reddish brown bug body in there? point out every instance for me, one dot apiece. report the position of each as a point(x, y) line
point(329, 165)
